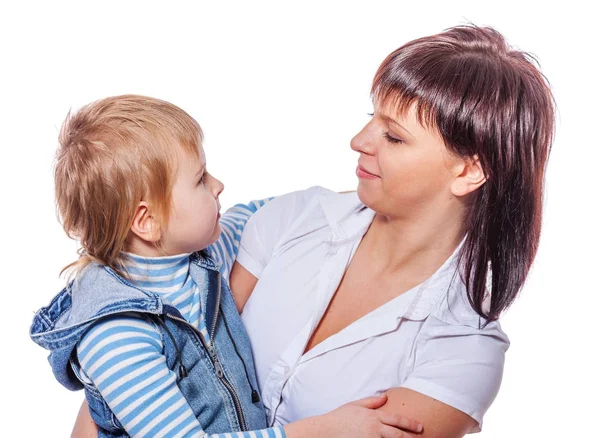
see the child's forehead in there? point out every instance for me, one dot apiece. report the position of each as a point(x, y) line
point(192, 153)
point(191, 160)
point(201, 154)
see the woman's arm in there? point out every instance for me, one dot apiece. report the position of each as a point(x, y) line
point(455, 378)
point(356, 419)
point(438, 419)
point(262, 235)
point(242, 283)
point(84, 426)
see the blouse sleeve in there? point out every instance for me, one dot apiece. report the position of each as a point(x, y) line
point(267, 227)
point(460, 365)
point(233, 221)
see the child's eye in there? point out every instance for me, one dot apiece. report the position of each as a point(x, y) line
point(391, 139)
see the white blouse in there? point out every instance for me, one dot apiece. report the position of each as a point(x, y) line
point(428, 339)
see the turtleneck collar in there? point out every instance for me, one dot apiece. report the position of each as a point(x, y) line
point(158, 274)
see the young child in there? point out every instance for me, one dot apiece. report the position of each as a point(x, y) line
point(148, 327)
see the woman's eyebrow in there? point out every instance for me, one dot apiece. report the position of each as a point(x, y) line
point(389, 119)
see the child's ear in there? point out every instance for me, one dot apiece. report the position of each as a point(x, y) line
point(144, 225)
point(469, 176)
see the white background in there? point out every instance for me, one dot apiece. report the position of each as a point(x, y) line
point(279, 89)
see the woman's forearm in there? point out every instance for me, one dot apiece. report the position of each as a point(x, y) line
point(357, 419)
point(84, 425)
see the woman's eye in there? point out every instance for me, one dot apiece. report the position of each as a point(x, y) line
point(202, 179)
point(391, 139)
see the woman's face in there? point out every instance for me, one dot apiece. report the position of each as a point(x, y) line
point(404, 168)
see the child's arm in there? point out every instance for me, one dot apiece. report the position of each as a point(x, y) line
point(122, 357)
point(233, 221)
point(357, 419)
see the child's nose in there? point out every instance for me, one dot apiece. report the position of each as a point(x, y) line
point(218, 187)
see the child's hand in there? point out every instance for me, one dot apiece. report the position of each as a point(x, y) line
point(359, 419)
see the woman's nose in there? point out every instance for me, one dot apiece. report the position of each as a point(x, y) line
point(362, 142)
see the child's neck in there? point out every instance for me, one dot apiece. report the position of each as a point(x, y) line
point(159, 274)
point(142, 248)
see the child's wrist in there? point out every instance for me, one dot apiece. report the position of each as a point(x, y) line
point(317, 426)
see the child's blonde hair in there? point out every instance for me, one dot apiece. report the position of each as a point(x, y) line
point(114, 153)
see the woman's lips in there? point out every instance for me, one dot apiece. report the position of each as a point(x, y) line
point(361, 172)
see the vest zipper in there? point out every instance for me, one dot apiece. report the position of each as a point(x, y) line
point(217, 306)
point(213, 356)
point(215, 361)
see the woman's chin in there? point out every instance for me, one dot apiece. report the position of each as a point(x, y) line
point(365, 195)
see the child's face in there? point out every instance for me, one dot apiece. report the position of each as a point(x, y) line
point(194, 221)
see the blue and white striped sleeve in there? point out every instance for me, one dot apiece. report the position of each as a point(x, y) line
point(233, 221)
point(122, 357)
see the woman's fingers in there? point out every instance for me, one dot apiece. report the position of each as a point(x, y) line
point(392, 432)
point(362, 419)
point(400, 422)
point(374, 402)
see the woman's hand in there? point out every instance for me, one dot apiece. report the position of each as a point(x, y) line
point(84, 426)
point(359, 419)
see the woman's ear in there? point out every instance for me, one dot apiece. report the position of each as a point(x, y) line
point(144, 225)
point(469, 176)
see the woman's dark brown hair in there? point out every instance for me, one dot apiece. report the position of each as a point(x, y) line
point(491, 101)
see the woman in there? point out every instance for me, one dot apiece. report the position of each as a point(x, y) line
point(398, 288)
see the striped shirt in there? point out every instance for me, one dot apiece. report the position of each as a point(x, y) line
point(122, 355)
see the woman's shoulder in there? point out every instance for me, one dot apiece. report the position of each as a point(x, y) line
point(452, 315)
point(291, 203)
point(443, 304)
point(444, 297)
point(314, 204)
point(318, 194)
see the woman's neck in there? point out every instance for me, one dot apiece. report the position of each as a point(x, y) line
point(416, 243)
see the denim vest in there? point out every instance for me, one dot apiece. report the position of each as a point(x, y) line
point(217, 378)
